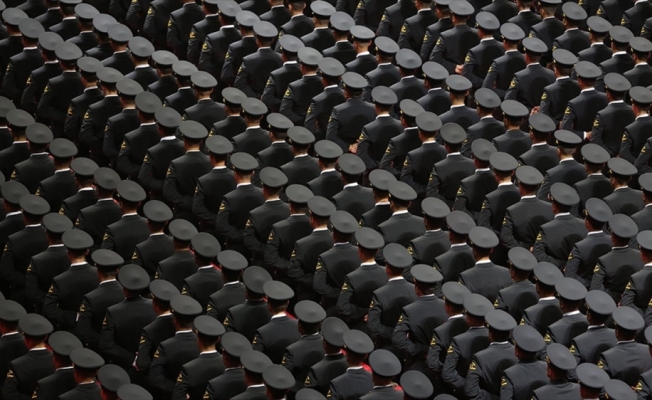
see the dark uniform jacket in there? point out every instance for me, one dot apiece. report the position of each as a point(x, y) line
point(95, 219)
point(634, 138)
point(557, 238)
point(609, 123)
point(588, 346)
point(181, 179)
point(614, 269)
point(581, 111)
point(473, 190)
point(516, 298)
point(301, 170)
point(521, 379)
point(36, 83)
point(523, 221)
point(247, 317)
point(209, 192)
point(169, 357)
point(157, 331)
point(226, 386)
point(486, 278)
point(357, 291)
point(195, 374)
point(486, 369)
point(556, 96)
point(180, 25)
point(200, 285)
point(177, 267)
point(540, 156)
point(453, 45)
point(416, 323)
point(72, 206)
point(584, 256)
point(123, 236)
point(502, 70)
point(219, 303)
point(51, 387)
point(625, 200)
point(346, 121)
point(301, 355)
point(626, 361)
point(413, 29)
point(393, 18)
point(527, 85)
point(57, 187)
point(459, 355)
point(93, 308)
point(542, 314)
point(352, 384)
point(386, 307)
point(42, 269)
point(148, 253)
point(57, 95)
point(273, 337)
point(33, 170)
point(25, 371)
point(320, 110)
point(446, 176)
point(567, 328)
point(134, 147)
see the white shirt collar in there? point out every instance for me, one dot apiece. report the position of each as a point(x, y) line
point(350, 185)
point(400, 212)
point(571, 313)
point(242, 184)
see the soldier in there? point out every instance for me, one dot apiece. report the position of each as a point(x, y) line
point(181, 264)
point(141, 51)
point(356, 381)
point(570, 293)
point(85, 37)
point(379, 181)
point(256, 68)
point(158, 246)
point(321, 106)
point(556, 95)
point(384, 366)
point(634, 135)
point(598, 52)
point(22, 246)
point(546, 311)
point(321, 37)
point(206, 280)
point(435, 242)
point(613, 119)
point(209, 24)
point(619, 62)
point(300, 93)
point(591, 378)
point(408, 140)
point(465, 345)
point(240, 48)
point(11, 44)
point(124, 121)
point(212, 186)
point(183, 172)
point(624, 199)
point(353, 198)
point(61, 184)
point(51, 16)
point(560, 362)
point(254, 139)
point(643, 386)
point(520, 380)
point(206, 111)
point(581, 111)
point(364, 62)
point(161, 328)
point(123, 322)
point(166, 84)
point(506, 194)
point(348, 119)
point(216, 44)
point(473, 189)
point(459, 257)
point(136, 142)
point(84, 170)
point(91, 133)
point(596, 184)
point(414, 27)
point(448, 173)
point(402, 226)
point(43, 267)
point(640, 217)
point(85, 363)
point(94, 303)
point(585, 253)
point(183, 97)
point(232, 381)
point(279, 79)
point(588, 346)
point(418, 168)
point(334, 363)
point(442, 335)
point(521, 294)
point(248, 316)
point(627, 359)
point(101, 25)
point(18, 121)
point(303, 168)
point(514, 141)
point(341, 49)
point(454, 44)
point(60, 90)
point(459, 113)
point(329, 182)
point(393, 17)
point(62, 344)
point(485, 277)
point(573, 39)
point(66, 293)
point(437, 100)
point(234, 123)
point(613, 270)
point(180, 25)
point(564, 227)
point(39, 165)
point(523, 220)
point(480, 57)
point(25, 371)
point(174, 352)
point(640, 75)
point(13, 222)
point(12, 342)
point(488, 127)
point(333, 265)
point(254, 364)
point(388, 301)
point(195, 374)
point(568, 171)
point(522, 88)
point(504, 67)
point(119, 35)
point(409, 87)
point(22, 64)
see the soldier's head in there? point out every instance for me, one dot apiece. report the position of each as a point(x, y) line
point(426, 279)
point(529, 179)
point(17, 122)
point(454, 294)
point(503, 166)
point(205, 248)
point(244, 166)
point(219, 148)
point(401, 195)
point(296, 6)
point(209, 331)
point(119, 36)
point(617, 86)
point(460, 224)
point(321, 13)
point(290, 46)
point(233, 99)
point(482, 241)
point(379, 180)
point(332, 329)
point(254, 110)
point(182, 232)
point(547, 8)
point(111, 379)
point(621, 170)
point(163, 61)
point(534, 49)
point(254, 363)
point(546, 276)
point(513, 114)
point(429, 125)
point(528, 342)
point(34, 208)
point(109, 78)
point(397, 259)
point(623, 229)
point(278, 296)
point(459, 87)
point(84, 169)
point(595, 158)
point(351, 167)
point(309, 60)
point(130, 195)
point(435, 212)
point(56, 226)
point(362, 38)
point(328, 153)
point(101, 25)
point(620, 38)
point(266, 34)
point(487, 24)
point(35, 329)
point(500, 325)
point(85, 363)
point(62, 343)
point(357, 345)
point(461, 11)
point(628, 322)
point(227, 12)
point(521, 262)
point(234, 345)
point(524, 5)
point(344, 226)
point(645, 182)
point(67, 8)
point(409, 111)
point(193, 134)
point(559, 362)
point(232, 263)
point(320, 210)
point(310, 316)
point(369, 242)
point(442, 10)
point(476, 307)
point(162, 292)
point(599, 307)
point(384, 367)
point(570, 293)
point(573, 15)
point(184, 311)
point(598, 28)
point(563, 198)
point(10, 313)
point(85, 14)
point(592, 379)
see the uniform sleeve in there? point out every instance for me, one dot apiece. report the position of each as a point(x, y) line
point(387, 162)
point(133, 16)
point(507, 233)
point(206, 59)
point(385, 25)
point(544, 105)
point(603, 365)
point(472, 388)
point(145, 350)
point(33, 293)
point(626, 148)
point(108, 145)
point(174, 38)
point(242, 81)
point(461, 199)
point(434, 356)
point(364, 143)
point(540, 250)
point(228, 72)
point(643, 159)
point(333, 128)
point(72, 125)
point(544, 189)
point(470, 64)
point(116, 353)
point(598, 130)
point(11, 386)
point(373, 321)
point(87, 134)
point(506, 389)
point(401, 336)
point(272, 252)
point(9, 83)
point(629, 296)
point(28, 97)
point(149, 26)
point(572, 265)
point(360, 14)
point(250, 238)
point(514, 87)
point(258, 343)
point(320, 282)
point(8, 273)
point(199, 205)
point(407, 175)
point(146, 176)
point(344, 305)
point(439, 56)
point(404, 37)
point(45, 107)
point(484, 219)
point(568, 120)
point(311, 123)
point(490, 80)
point(646, 30)
point(643, 391)
point(223, 226)
point(125, 164)
point(599, 273)
point(434, 183)
point(182, 386)
point(288, 361)
point(287, 107)
point(311, 380)
point(269, 95)
point(170, 187)
point(194, 46)
point(83, 328)
point(648, 314)
point(156, 376)
point(108, 242)
point(297, 269)
point(51, 311)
